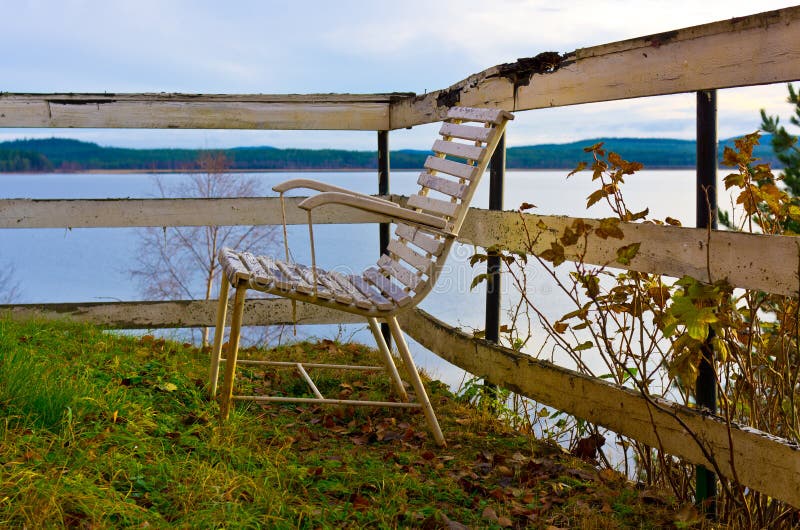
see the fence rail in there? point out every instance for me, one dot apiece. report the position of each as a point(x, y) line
point(756, 459)
point(699, 58)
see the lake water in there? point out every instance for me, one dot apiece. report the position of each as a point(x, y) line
point(86, 265)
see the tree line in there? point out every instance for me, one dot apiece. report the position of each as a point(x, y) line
point(68, 155)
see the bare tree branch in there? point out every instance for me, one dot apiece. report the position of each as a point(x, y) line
point(181, 262)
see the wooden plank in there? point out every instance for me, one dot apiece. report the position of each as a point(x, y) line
point(257, 273)
point(233, 267)
point(326, 288)
point(442, 185)
point(344, 283)
point(685, 60)
point(762, 462)
point(280, 279)
point(435, 206)
point(421, 263)
point(495, 116)
point(466, 151)
point(465, 132)
point(750, 261)
point(419, 238)
point(177, 313)
point(374, 276)
point(94, 213)
point(372, 293)
point(450, 167)
point(181, 111)
point(297, 281)
point(397, 271)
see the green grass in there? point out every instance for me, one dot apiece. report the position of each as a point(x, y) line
point(107, 431)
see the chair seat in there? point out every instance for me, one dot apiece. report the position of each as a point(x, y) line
point(356, 294)
point(403, 275)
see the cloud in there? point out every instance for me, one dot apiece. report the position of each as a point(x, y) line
point(346, 46)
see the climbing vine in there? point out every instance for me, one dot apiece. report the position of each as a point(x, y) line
point(649, 332)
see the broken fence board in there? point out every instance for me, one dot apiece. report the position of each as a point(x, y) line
point(684, 60)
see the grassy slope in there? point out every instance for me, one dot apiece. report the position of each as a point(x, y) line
point(103, 431)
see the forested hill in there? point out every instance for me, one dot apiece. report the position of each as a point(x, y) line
point(58, 154)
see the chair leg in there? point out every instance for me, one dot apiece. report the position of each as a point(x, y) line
point(416, 382)
point(388, 361)
point(219, 334)
point(233, 351)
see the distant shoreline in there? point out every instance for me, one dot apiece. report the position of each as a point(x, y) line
point(294, 170)
point(134, 171)
point(62, 155)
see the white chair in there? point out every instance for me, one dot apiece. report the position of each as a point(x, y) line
point(425, 230)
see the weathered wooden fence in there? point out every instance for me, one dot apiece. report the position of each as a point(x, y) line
point(752, 50)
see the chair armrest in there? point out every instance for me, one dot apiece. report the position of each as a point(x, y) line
point(321, 186)
point(369, 204)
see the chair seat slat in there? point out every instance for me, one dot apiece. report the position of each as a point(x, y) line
point(344, 283)
point(386, 286)
point(258, 274)
point(466, 132)
point(442, 185)
point(430, 204)
point(326, 284)
point(323, 291)
point(296, 279)
point(457, 169)
point(397, 271)
point(233, 267)
point(466, 151)
point(421, 263)
point(371, 292)
point(280, 279)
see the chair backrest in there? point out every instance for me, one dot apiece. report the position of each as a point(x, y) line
point(415, 255)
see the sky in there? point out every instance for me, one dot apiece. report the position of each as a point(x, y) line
point(347, 46)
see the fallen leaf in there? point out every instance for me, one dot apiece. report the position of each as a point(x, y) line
point(359, 502)
point(505, 522)
point(489, 514)
point(505, 471)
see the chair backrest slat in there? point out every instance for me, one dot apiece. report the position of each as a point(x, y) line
point(442, 185)
point(421, 263)
point(427, 242)
point(493, 116)
point(468, 138)
point(465, 151)
point(435, 206)
point(395, 270)
point(465, 132)
point(456, 169)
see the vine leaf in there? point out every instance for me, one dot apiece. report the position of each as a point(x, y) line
point(627, 253)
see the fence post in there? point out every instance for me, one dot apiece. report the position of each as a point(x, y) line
point(383, 189)
point(497, 170)
point(706, 217)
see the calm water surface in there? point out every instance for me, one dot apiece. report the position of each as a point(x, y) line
point(85, 265)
